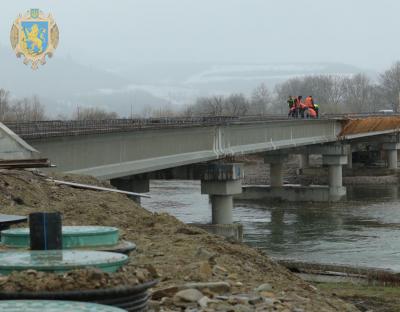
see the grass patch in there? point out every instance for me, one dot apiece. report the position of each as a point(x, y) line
point(365, 298)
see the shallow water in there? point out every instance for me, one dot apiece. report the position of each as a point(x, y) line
point(364, 231)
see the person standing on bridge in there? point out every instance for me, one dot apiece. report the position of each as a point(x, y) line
point(316, 108)
point(310, 107)
point(309, 102)
point(300, 107)
point(291, 104)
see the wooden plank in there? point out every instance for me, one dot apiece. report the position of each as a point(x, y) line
point(24, 163)
point(97, 188)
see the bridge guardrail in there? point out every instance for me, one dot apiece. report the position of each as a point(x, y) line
point(54, 128)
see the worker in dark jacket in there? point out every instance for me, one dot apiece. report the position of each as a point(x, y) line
point(291, 104)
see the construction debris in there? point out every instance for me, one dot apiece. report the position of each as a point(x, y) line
point(25, 163)
point(97, 188)
point(370, 124)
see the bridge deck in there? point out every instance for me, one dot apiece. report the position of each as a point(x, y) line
point(58, 128)
point(115, 148)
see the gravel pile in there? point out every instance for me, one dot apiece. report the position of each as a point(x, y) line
point(175, 253)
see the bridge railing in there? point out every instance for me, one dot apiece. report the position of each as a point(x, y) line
point(52, 128)
point(39, 129)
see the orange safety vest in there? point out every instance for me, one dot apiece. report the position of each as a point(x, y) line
point(309, 102)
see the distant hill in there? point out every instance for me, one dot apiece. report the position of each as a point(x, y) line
point(63, 84)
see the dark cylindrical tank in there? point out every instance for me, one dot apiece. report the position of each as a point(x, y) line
point(45, 231)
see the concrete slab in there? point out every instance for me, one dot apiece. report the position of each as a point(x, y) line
point(295, 193)
point(221, 187)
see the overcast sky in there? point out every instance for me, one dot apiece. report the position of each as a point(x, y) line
point(104, 32)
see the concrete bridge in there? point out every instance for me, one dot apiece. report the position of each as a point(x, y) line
point(127, 151)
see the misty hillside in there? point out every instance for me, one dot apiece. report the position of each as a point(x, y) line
point(133, 89)
point(63, 84)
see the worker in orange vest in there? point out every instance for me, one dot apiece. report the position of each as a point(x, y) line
point(309, 102)
point(300, 106)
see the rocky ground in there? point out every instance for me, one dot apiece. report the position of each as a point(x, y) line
point(197, 271)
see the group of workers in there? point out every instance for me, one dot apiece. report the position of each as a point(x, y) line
point(302, 109)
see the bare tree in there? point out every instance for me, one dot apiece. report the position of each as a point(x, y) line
point(93, 113)
point(213, 106)
point(327, 90)
point(4, 103)
point(26, 109)
point(260, 100)
point(390, 83)
point(236, 105)
point(36, 110)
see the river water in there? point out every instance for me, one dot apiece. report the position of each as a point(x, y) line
point(363, 231)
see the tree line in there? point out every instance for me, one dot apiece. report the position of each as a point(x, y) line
point(30, 109)
point(334, 94)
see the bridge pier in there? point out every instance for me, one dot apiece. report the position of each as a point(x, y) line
point(350, 158)
point(334, 157)
point(134, 184)
point(335, 179)
point(391, 152)
point(304, 161)
point(221, 182)
point(276, 162)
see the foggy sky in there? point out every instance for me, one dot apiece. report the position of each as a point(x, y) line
point(110, 34)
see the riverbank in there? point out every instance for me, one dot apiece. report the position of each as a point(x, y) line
point(180, 256)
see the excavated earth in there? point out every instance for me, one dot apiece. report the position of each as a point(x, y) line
point(196, 271)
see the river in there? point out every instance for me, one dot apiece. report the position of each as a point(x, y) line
point(363, 231)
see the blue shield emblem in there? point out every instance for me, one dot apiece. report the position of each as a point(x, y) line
point(34, 37)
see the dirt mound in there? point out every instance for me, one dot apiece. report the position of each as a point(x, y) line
point(32, 280)
point(167, 248)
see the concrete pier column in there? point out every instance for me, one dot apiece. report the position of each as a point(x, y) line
point(304, 161)
point(221, 181)
point(350, 158)
point(276, 174)
point(391, 153)
point(222, 209)
point(276, 162)
point(335, 176)
point(392, 159)
point(335, 180)
point(132, 184)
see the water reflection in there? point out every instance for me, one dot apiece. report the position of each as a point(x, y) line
point(365, 230)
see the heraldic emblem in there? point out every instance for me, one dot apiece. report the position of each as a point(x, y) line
point(34, 36)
